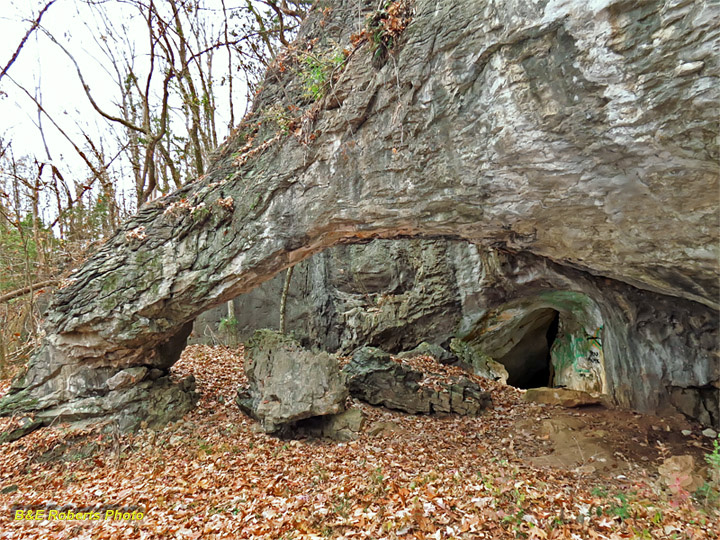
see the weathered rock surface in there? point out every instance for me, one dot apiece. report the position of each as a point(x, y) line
point(391, 294)
point(429, 349)
point(564, 397)
point(127, 378)
point(373, 376)
point(576, 140)
point(289, 383)
point(344, 426)
point(478, 362)
point(26, 427)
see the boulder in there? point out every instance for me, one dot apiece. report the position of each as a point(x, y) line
point(430, 349)
point(680, 474)
point(480, 364)
point(344, 426)
point(375, 377)
point(127, 378)
point(564, 397)
point(288, 383)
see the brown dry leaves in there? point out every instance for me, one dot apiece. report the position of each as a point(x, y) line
point(211, 475)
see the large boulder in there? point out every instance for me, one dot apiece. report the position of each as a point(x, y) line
point(289, 383)
point(375, 377)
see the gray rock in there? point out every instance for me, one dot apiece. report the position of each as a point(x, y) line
point(344, 426)
point(481, 364)
point(429, 349)
point(701, 404)
point(127, 378)
point(374, 377)
point(390, 294)
point(563, 397)
point(556, 136)
point(26, 427)
point(289, 383)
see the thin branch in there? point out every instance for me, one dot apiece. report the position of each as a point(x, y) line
point(86, 88)
point(32, 28)
point(27, 290)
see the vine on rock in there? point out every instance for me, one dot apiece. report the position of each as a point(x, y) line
point(383, 28)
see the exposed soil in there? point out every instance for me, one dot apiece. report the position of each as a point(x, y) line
point(521, 470)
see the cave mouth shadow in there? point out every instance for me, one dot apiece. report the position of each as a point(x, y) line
point(529, 362)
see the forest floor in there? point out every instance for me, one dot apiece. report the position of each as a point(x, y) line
point(520, 470)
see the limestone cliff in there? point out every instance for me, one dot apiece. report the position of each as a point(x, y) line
point(576, 139)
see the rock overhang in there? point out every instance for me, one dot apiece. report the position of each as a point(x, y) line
point(614, 182)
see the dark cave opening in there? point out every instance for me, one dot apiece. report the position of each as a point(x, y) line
point(528, 363)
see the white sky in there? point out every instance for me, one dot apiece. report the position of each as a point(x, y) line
point(41, 63)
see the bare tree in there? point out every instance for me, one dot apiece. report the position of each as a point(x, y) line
point(27, 35)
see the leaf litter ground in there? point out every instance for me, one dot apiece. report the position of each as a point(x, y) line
point(521, 470)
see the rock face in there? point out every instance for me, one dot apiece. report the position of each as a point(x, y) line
point(574, 142)
point(391, 294)
point(373, 376)
point(476, 361)
point(289, 383)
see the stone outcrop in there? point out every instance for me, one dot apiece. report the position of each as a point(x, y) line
point(289, 383)
point(434, 351)
point(476, 361)
point(562, 397)
point(344, 426)
point(575, 143)
point(391, 294)
point(376, 378)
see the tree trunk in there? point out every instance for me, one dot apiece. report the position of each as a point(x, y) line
point(283, 298)
point(232, 326)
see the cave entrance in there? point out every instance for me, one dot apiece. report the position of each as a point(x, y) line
point(550, 338)
point(528, 362)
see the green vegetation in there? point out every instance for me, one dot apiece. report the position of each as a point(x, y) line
point(318, 72)
point(385, 25)
point(280, 116)
point(709, 493)
point(23, 245)
point(228, 325)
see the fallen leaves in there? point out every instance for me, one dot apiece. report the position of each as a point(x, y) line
point(211, 475)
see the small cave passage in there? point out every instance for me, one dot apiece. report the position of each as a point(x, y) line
point(528, 363)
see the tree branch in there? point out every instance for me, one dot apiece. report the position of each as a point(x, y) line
point(27, 290)
point(32, 28)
